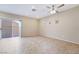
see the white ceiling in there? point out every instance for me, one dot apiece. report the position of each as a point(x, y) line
point(26, 9)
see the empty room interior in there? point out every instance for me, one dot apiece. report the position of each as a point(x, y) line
point(39, 29)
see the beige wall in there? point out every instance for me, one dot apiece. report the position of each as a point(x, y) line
point(67, 29)
point(29, 27)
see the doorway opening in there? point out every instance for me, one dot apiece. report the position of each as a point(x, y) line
point(16, 28)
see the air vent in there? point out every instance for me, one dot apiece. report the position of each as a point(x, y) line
point(34, 10)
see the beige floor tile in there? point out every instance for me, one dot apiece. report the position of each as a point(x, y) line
point(34, 45)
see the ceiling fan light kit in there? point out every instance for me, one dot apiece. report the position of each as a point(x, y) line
point(53, 9)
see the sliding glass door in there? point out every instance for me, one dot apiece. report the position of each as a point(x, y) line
point(6, 26)
point(10, 28)
point(0, 28)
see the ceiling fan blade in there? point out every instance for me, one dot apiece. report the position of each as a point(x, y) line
point(60, 6)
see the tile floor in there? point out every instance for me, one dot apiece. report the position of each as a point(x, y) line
point(36, 45)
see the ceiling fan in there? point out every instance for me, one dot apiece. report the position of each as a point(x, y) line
point(53, 9)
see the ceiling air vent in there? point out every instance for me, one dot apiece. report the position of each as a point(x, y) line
point(33, 8)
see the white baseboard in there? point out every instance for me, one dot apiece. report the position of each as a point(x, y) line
point(59, 39)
